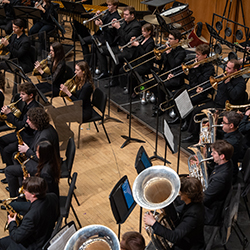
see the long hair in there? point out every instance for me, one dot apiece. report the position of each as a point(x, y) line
point(59, 54)
point(47, 155)
point(86, 75)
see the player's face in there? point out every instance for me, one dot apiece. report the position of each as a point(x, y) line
point(78, 71)
point(171, 40)
point(111, 7)
point(127, 16)
point(51, 51)
point(216, 156)
point(25, 97)
point(230, 68)
point(199, 56)
point(17, 30)
point(145, 33)
point(31, 125)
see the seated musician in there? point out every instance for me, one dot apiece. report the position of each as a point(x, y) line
point(219, 182)
point(132, 241)
point(84, 90)
point(106, 34)
point(37, 225)
point(19, 46)
point(38, 120)
point(170, 60)
point(199, 74)
point(188, 232)
point(142, 48)
point(232, 89)
point(57, 69)
point(9, 142)
point(125, 31)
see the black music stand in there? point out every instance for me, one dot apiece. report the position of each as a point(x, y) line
point(121, 201)
point(18, 70)
point(2, 13)
point(128, 138)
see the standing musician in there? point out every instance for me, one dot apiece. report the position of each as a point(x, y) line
point(106, 34)
point(9, 142)
point(142, 48)
point(38, 223)
point(18, 46)
point(188, 232)
point(125, 31)
point(232, 89)
point(57, 69)
point(85, 86)
point(38, 120)
point(197, 75)
point(170, 60)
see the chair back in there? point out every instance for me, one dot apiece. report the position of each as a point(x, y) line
point(70, 154)
point(33, 53)
point(99, 100)
point(246, 166)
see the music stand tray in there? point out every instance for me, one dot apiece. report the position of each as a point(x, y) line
point(27, 12)
point(157, 3)
point(76, 7)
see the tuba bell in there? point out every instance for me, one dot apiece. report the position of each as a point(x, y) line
point(93, 237)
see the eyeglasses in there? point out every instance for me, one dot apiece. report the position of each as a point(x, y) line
point(170, 38)
point(227, 123)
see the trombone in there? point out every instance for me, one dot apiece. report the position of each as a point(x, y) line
point(95, 17)
point(110, 23)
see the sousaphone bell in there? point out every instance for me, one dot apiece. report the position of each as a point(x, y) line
point(93, 237)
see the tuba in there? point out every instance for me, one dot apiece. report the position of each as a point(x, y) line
point(20, 157)
point(71, 85)
point(93, 237)
point(155, 188)
point(44, 66)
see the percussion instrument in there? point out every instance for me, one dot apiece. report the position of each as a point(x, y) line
point(181, 15)
point(198, 40)
point(153, 19)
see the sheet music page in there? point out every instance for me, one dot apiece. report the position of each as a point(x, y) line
point(184, 104)
point(169, 135)
point(62, 238)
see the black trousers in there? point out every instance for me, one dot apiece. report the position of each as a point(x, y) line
point(8, 145)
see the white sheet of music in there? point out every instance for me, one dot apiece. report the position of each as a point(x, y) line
point(183, 104)
point(169, 135)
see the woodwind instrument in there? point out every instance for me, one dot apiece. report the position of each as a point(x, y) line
point(71, 85)
point(20, 157)
point(25, 173)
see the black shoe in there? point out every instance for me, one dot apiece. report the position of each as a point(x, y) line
point(7, 189)
point(190, 138)
point(3, 207)
point(4, 181)
point(173, 121)
point(2, 170)
point(111, 84)
point(125, 91)
point(160, 112)
point(184, 126)
point(101, 76)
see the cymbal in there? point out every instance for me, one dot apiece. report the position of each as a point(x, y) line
point(153, 19)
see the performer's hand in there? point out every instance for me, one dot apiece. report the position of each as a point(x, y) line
point(135, 43)
point(170, 76)
point(199, 89)
point(98, 22)
point(65, 90)
point(38, 67)
point(168, 50)
point(247, 112)
point(116, 24)
point(149, 219)
point(6, 1)
point(11, 218)
point(5, 110)
point(23, 148)
point(5, 42)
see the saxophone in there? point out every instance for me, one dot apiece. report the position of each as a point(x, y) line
point(25, 173)
point(20, 157)
point(44, 66)
point(7, 38)
point(11, 211)
point(71, 85)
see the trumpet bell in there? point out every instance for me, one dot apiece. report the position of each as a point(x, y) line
point(93, 237)
point(156, 187)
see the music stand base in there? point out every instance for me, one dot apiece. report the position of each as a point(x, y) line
point(129, 139)
point(108, 117)
point(155, 156)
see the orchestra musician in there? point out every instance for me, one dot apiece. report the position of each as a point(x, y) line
point(189, 225)
point(38, 223)
point(142, 48)
point(57, 69)
point(38, 120)
point(84, 89)
point(106, 34)
point(132, 241)
point(244, 127)
point(18, 46)
point(9, 142)
point(2, 90)
point(232, 89)
point(170, 60)
point(125, 31)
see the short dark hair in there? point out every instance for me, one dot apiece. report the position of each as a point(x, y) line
point(113, 2)
point(203, 49)
point(223, 147)
point(35, 185)
point(39, 118)
point(131, 10)
point(233, 117)
point(28, 88)
point(176, 34)
point(192, 187)
point(133, 241)
point(19, 22)
point(149, 27)
point(236, 63)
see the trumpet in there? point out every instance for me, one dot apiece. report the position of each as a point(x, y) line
point(139, 39)
point(95, 17)
point(71, 85)
point(110, 23)
point(44, 65)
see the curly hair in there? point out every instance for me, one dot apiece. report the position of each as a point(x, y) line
point(86, 75)
point(192, 187)
point(28, 88)
point(39, 118)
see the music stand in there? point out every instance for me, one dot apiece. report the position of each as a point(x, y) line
point(121, 201)
point(18, 70)
point(2, 13)
point(157, 3)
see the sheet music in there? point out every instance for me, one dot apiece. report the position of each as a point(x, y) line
point(183, 104)
point(62, 237)
point(112, 54)
point(169, 136)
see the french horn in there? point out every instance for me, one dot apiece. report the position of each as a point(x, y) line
point(93, 237)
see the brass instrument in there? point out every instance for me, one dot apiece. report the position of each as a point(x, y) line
point(20, 157)
point(71, 85)
point(38, 4)
point(95, 17)
point(110, 23)
point(7, 38)
point(44, 66)
point(93, 237)
point(11, 211)
point(25, 173)
point(230, 107)
point(16, 112)
point(139, 39)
